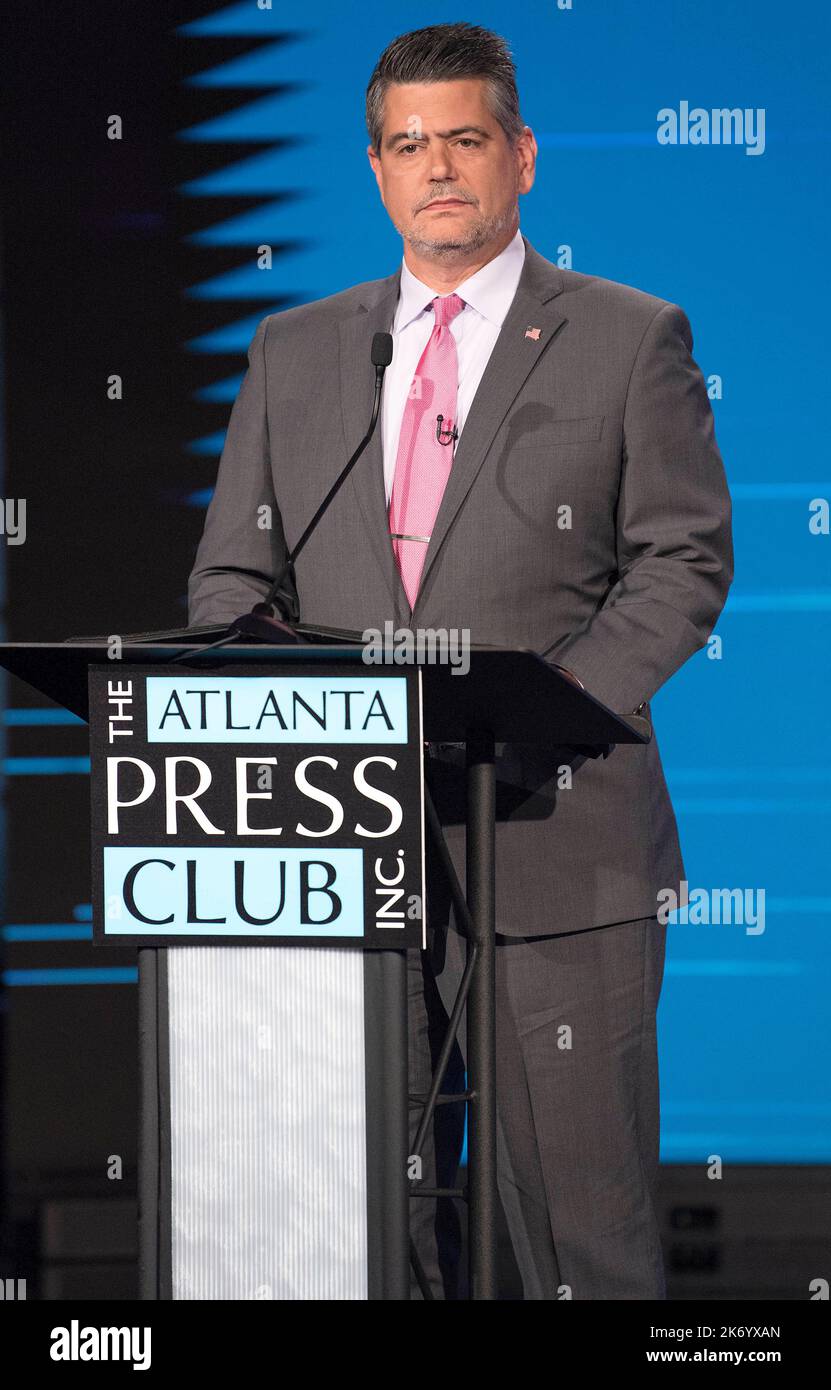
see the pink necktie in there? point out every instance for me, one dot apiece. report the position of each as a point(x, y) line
point(425, 446)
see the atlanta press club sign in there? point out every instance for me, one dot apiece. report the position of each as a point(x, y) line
point(237, 805)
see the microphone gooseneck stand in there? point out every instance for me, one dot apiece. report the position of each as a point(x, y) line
point(262, 623)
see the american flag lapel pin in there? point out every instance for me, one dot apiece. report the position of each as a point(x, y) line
point(533, 333)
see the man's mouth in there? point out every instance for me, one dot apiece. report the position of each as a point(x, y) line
point(448, 203)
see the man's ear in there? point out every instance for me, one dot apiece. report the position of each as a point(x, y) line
point(375, 165)
point(528, 151)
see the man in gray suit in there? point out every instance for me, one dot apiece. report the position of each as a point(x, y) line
point(579, 509)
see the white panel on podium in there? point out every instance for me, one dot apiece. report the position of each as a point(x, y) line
point(268, 1123)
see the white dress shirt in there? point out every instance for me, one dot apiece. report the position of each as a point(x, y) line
point(487, 296)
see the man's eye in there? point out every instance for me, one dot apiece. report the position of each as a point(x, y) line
point(466, 141)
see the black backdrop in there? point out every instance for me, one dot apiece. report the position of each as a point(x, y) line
point(94, 262)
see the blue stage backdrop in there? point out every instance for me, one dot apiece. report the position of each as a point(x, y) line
point(640, 180)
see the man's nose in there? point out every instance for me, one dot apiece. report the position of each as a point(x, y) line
point(442, 166)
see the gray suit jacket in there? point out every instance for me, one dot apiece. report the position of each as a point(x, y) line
point(604, 413)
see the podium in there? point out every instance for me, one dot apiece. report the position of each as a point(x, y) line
point(274, 1109)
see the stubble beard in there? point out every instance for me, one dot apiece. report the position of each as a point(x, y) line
point(447, 250)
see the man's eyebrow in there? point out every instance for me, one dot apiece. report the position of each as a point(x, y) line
point(442, 134)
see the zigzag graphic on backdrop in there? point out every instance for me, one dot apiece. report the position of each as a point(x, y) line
point(247, 200)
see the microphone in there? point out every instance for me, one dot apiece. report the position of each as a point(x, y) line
point(262, 622)
point(445, 436)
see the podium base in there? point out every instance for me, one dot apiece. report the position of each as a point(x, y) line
point(273, 1129)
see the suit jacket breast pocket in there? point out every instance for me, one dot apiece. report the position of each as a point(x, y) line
point(584, 429)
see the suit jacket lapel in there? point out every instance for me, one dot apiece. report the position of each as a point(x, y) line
point(357, 382)
point(512, 360)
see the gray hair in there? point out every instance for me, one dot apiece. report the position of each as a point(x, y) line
point(442, 53)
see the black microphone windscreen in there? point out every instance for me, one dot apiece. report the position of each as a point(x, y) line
point(382, 349)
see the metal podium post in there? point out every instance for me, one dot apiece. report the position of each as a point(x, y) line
point(481, 1009)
